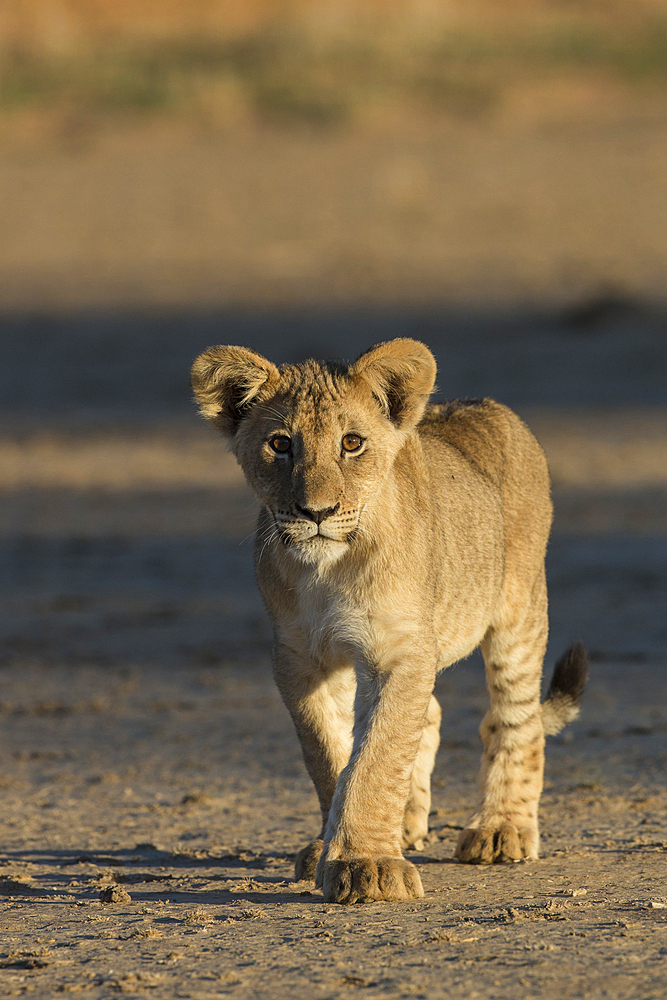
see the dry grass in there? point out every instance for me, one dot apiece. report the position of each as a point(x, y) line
point(322, 65)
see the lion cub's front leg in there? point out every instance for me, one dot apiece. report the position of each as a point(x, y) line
point(321, 703)
point(362, 859)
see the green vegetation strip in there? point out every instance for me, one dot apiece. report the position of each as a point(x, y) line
point(292, 75)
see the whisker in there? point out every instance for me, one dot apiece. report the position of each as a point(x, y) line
point(272, 411)
point(272, 535)
point(260, 533)
point(268, 533)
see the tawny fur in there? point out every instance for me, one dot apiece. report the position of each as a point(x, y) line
point(380, 565)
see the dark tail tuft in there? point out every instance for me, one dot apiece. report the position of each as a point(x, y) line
point(563, 698)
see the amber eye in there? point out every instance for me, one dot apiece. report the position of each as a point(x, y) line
point(352, 442)
point(280, 443)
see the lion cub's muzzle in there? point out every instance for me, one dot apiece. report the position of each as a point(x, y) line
point(303, 524)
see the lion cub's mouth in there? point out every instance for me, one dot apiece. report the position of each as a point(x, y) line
point(296, 530)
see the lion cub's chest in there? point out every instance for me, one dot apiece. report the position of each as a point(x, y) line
point(330, 623)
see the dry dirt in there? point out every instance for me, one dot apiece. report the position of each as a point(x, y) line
point(153, 795)
point(432, 211)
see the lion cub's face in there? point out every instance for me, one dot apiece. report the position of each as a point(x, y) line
point(316, 441)
point(315, 454)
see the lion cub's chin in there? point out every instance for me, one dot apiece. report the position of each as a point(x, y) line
point(317, 550)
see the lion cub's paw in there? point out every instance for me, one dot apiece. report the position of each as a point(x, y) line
point(306, 861)
point(364, 880)
point(496, 844)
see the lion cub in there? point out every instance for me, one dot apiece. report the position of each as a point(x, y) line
point(395, 537)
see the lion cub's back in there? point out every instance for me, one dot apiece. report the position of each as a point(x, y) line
point(496, 442)
point(487, 434)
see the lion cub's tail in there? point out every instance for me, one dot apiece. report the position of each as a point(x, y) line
point(563, 699)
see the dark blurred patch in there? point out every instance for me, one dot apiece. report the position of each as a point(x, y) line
point(609, 306)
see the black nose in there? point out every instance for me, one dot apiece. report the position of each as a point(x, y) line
point(318, 515)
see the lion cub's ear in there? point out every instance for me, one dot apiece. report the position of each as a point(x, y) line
point(227, 380)
point(401, 375)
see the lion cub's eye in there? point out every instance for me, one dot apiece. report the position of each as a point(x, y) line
point(280, 443)
point(352, 442)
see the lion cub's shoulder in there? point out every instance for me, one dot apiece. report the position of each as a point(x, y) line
point(486, 433)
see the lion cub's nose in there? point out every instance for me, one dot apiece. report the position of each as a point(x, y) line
point(318, 515)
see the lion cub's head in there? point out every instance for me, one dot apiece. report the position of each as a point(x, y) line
point(317, 440)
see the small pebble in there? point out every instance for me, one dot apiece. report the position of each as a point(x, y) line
point(114, 894)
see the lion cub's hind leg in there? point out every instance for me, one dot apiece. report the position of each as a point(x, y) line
point(505, 827)
point(418, 807)
point(305, 864)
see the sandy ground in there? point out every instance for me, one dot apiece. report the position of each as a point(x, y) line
point(143, 745)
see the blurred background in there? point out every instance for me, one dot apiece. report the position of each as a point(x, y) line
point(282, 152)
point(308, 177)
